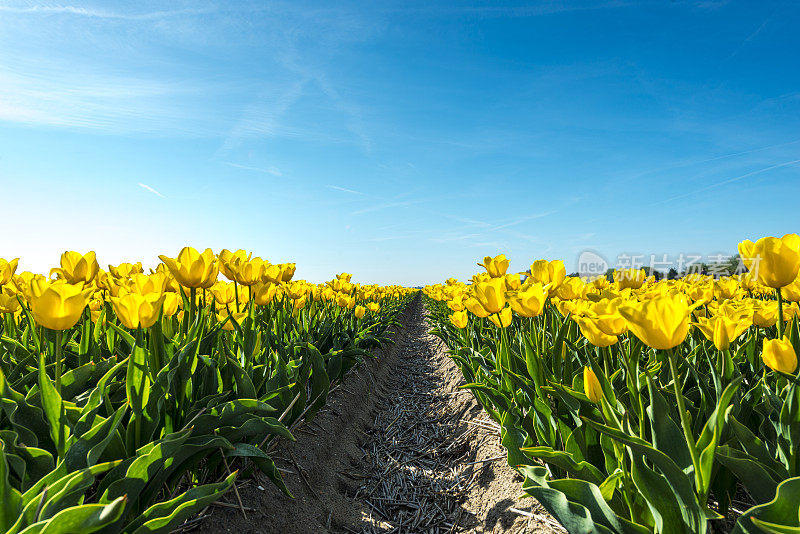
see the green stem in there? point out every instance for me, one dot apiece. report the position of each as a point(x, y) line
point(236, 294)
point(687, 430)
point(780, 314)
point(58, 361)
point(192, 297)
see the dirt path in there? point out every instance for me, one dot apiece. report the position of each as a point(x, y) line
point(399, 448)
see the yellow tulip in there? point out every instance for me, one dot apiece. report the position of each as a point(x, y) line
point(373, 306)
point(779, 355)
point(193, 269)
point(495, 267)
point(792, 291)
point(513, 282)
point(552, 273)
point(765, 313)
point(629, 278)
point(79, 268)
point(491, 294)
point(591, 331)
point(774, 262)
point(223, 293)
point(58, 305)
point(360, 311)
point(145, 284)
point(722, 329)
point(7, 270)
point(591, 385)
point(248, 272)
point(134, 310)
point(226, 258)
point(9, 302)
point(528, 301)
point(476, 308)
point(572, 288)
point(125, 270)
point(605, 315)
point(502, 319)
point(263, 293)
point(459, 319)
point(288, 270)
point(171, 303)
point(661, 322)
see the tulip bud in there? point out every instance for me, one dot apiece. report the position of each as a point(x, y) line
point(591, 385)
point(459, 319)
point(58, 305)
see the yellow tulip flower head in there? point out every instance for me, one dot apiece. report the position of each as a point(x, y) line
point(774, 262)
point(722, 329)
point(459, 319)
point(591, 331)
point(359, 311)
point(502, 319)
point(606, 316)
point(7, 270)
point(629, 278)
point(552, 273)
point(591, 385)
point(193, 269)
point(79, 268)
point(125, 270)
point(528, 301)
point(58, 305)
point(288, 270)
point(145, 284)
point(373, 307)
point(792, 291)
point(491, 294)
point(223, 293)
point(263, 293)
point(134, 310)
point(476, 308)
point(779, 355)
point(495, 267)
point(9, 302)
point(228, 259)
point(661, 322)
point(239, 317)
point(572, 288)
point(248, 272)
point(171, 303)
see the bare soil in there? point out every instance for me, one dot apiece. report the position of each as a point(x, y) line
point(398, 448)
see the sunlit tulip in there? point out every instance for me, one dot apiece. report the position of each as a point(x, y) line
point(227, 258)
point(223, 293)
point(552, 273)
point(239, 317)
point(495, 267)
point(373, 307)
point(193, 269)
point(134, 310)
point(7, 270)
point(792, 291)
point(359, 311)
point(249, 272)
point(502, 319)
point(722, 329)
point(145, 284)
point(125, 270)
point(528, 301)
point(491, 294)
point(263, 293)
point(476, 308)
point(570, 289)
point(58, 305)
point(629, 278)
point(171, 303)
point(775, 262)
point(661, 322)
point(79, 268)
point(779, 355)
point(288, 270)
point(513, 282)
point(606, 316)
point(459, 319)
point(591, 385)
point(591, 331)
point(765, 313)
point(9, 302)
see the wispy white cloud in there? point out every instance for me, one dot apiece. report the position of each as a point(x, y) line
point(274, 171)
point(152, 190)
point(97, 13)
point(346, 190)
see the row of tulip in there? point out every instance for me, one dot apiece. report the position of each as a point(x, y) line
point(131, 400)
point(632, 405)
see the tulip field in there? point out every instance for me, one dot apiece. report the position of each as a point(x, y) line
point(132, 400)
point(634, 405)
point(129, 401)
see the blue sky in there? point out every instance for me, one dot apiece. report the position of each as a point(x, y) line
point(398, 141)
